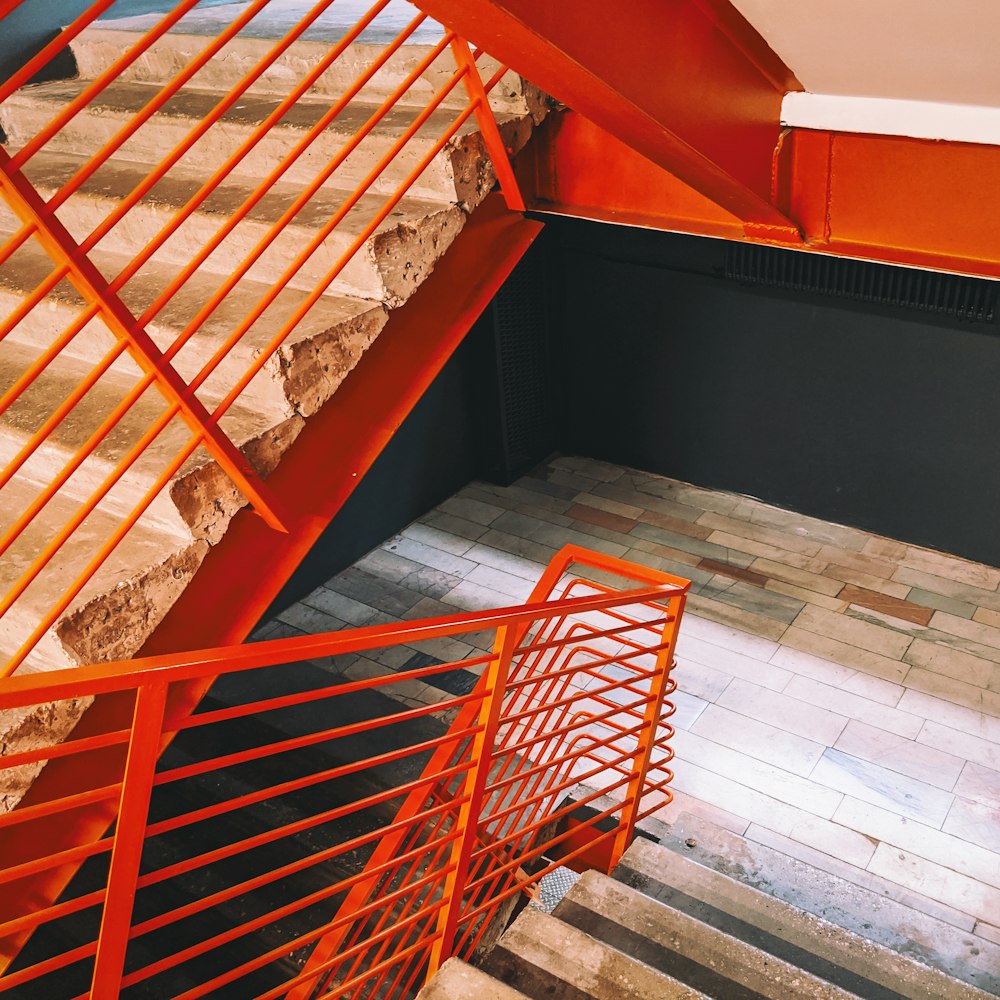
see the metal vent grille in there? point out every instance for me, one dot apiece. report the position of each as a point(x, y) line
point(971, 299)
point(521, 330)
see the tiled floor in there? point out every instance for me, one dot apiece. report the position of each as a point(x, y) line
point(839, 693)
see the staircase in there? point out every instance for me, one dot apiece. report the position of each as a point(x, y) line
point(705, 913)
point(235, 258)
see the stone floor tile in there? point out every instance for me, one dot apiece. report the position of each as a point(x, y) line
point(939, 602)
point(975, 823)
point(853, 632)
point(457, 526)
point(700, 680)
point(957, 717)
point(785, 713)
point(876, 689)
point(967, 695)
point(800, 524)
point(555, 535)
point(602, 518)
point(987, 931)
point(601, 471)
point(682, 803)
point(313, 621)
point(980, 784)
point(854, 706)
point(865, 879)
point(881, 787)
point(884, 548)
point(761, 550)
point(810, 665)
point(769, 779)
point(926, 877)
point(611, 506)
point(952, 568)
point(515, 588)
point(688, 543)
point(845, 654)
point(900, 754)
point(726, 614)
point(646, 501)
point(429, 535)
point(679, 564)
point(872, 565)
point(339, 606)
point(477, 511)
point(805, 596)
point(759, 740)
point(735, 639)
point(861, 579)
point(687, 709)
point(831, 839)
point(684, 493)
point(977, 596)
point(754, 600)
point(979, 632)
point(808, 581)
point(942, 848)
point(893, 607)
point(950, 662)
point(730, 662)
point(984, 615)
point(770, 537)
point(735, 798)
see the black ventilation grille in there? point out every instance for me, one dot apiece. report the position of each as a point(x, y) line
point(521, 331)
point(971, 299)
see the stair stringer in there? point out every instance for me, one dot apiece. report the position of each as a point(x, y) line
point(244, 572)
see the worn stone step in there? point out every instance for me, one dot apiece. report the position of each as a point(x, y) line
point(457, 981)
point(187, 502)
point(717, 963)
point(98, 47)
point(822, 948)
point(388, 267)
point(312, 362)
point(462, 172)
point(547, 959)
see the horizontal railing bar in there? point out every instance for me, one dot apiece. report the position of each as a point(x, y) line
point(310, 861)
point(57, 685)
point(311, 739)
point(66, 749)
point(251, 798)
point(30, 921)
point(332, 691)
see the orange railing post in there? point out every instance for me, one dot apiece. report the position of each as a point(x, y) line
point(144, 747)
point(646, 739)
point(471, 810)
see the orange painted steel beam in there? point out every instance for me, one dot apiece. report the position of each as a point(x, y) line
point(893, 199)
point(247, 569)
point(687, 83)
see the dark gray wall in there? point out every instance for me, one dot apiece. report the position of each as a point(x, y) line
point(870, 416)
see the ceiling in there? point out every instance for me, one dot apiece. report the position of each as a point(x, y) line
point(877, 51)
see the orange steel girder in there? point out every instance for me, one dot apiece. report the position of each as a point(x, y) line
point(894, 199)
point(687, 83)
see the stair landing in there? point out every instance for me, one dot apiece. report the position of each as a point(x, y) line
point(838, 695)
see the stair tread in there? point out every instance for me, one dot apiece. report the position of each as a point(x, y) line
point(456, 980)
point(547, 959)
point(692, 951)
point(125, 98)
point(146, 546)
point(330, 315)
point(862, 965)
point(48, 171)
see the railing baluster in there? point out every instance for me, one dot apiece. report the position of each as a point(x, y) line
point(144, 748)
point(474, 786)
point(647, 735)
point(488, 126)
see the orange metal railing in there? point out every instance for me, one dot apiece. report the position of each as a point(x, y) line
point(327, 826)
point(93, 456)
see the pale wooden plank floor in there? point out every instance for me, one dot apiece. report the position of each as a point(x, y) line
point(839, 693)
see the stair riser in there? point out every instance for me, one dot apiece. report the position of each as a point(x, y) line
point(22, 118)
point(388, 268)
point(96, 49)
point(42, 326)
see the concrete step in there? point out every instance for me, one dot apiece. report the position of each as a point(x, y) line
point(187, 503)
point(388, 268)
point(457, 981)
point(461, 173)
point(546, 959)
point(97, 48)
point(821, 948)
point(316, 357)
point(678, 945)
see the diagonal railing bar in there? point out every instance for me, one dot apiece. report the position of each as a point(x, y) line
point(25, 201)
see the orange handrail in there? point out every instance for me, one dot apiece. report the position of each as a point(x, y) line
point(439, 847)
point(76, 258)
